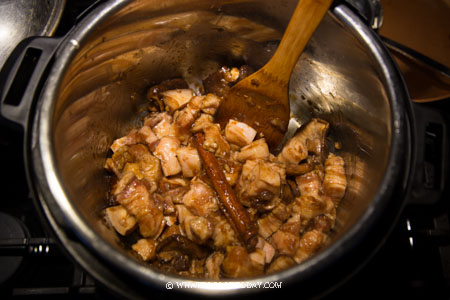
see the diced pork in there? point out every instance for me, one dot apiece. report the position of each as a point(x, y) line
point(260, 182)
point(285, 242)
point(231, 168)
point(213, 263)
point(153, 119)
point(293, 224)
point(119, 159)
point(149, 166)
point(147, 137)
point(165, 128)
point(201, 123)
point(308, 207)
point(215, 142)
point(166, 151)
point(120, 219)
point(121, 185)
point(296, 149)
point(239, 133)
point(201, 199)
point(138, 202)
point(223, 234)
point(310, 184)
point(210, 104)
point(267, 248)
point(334, 182)
point(310, 243)
point(256, 150)
point(130, 139)
point(258, 260)
point(237, 263)
point(197, 229)
point(189, 161)
point(175, 99)
point(280, 263)
point(146, 248)
point(186, 117)
point(272, 222)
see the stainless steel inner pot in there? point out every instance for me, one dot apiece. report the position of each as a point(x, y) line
point(100, 75)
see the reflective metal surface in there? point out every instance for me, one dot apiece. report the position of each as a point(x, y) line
point(24, 18)
point(104, 67)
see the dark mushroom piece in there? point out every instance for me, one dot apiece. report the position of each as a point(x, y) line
point(182, 244)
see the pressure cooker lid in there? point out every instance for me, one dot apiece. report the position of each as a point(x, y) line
point(20, 19)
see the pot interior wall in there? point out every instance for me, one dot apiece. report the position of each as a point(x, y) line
point(146, 42)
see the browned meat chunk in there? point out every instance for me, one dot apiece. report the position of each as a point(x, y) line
point(310, 184)
point(138, 202)
point(175, 99)
point(256, 150)
point(128, 174)
point(154, 119)
point(239, 133)
point(149, 166)
point(186, 117)
point(237, 263)
point(215, 142)
point(166, 151)
point(293, 224)
point(120, 219)
point(296, 149)
point(260, 183)
point(308, 207)
point(285, 242)
point(146, 248)
point(118, 161)
point(223, 234)
point(189, 160)
point(148, 137)
point(130, 139)
point(231, 168)
point(201, 199)
point(210, 104)
point(154, 93)
point(280, 263)
point(213, 263)
point(197, 228)
point(272, 222)
point(310, 243)
point(267, 248)
point(258, 260)
point(334, 182)
point(201, 123)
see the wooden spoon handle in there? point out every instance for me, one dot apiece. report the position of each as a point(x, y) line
point(304, 21)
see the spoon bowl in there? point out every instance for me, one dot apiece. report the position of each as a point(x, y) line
point(262, 100)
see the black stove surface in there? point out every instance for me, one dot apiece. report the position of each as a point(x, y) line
point(414, 262)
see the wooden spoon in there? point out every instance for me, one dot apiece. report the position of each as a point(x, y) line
point(261, 100)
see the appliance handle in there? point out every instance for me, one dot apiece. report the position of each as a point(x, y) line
point(431, 166)
point(23, 75)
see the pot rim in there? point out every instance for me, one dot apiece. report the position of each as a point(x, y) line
point(63, 215)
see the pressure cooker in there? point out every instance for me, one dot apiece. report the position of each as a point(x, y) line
point(75, 94)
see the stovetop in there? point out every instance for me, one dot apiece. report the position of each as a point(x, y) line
point(414, 262)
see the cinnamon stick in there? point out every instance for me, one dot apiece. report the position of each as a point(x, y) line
point(232, 208)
